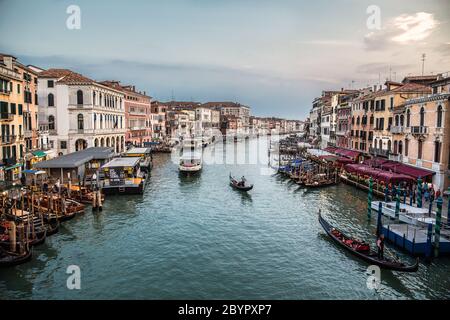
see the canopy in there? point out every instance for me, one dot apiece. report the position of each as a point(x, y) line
point(378, 174)
point(408, 170)
point(39, 154)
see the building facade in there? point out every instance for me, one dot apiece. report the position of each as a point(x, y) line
point(80, 112)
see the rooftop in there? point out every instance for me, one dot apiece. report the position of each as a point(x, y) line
point(122, 162)
point(76, 159)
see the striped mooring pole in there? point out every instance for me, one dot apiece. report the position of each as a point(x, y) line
point(369, 199)
point(437, 228)
point(429, 246)
point(397, 205)
point(419, 192)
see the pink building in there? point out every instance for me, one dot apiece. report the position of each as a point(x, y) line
point(137, 114)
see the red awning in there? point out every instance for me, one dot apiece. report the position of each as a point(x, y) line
point(411, 171)
point(378, 174)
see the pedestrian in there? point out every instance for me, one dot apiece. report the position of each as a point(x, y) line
point(432, 195)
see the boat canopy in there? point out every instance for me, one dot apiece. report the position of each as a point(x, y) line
point(122, 162)
point(138, 151)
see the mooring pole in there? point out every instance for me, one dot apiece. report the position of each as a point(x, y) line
point(428, 248)
point(380, 213)
point(369, 199)
point(419, 192)
point(437, 228)
point(397, 206)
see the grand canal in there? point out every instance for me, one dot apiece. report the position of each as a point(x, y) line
point(196, 238)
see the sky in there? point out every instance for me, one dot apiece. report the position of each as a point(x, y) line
point(274, 56)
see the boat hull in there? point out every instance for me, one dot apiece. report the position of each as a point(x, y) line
point(370, 257)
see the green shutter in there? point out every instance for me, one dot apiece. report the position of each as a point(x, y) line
point(20, 110)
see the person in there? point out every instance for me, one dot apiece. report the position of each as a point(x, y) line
point(380, 246)
point(432, 194)
point(438, 193)
point(242, 183)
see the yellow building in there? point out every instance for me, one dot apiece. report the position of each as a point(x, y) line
point(18, 116)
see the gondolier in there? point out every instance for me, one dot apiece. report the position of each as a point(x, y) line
point(380, 246)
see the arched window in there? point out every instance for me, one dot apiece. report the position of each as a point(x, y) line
point(397, 120)
point(353, 120)
point(357, 120)
point(79, 97)
point(389, 145)
point(402, 120)
point(400, 147)
point(95, 121)
point(93, 98)
point(422, 116)
point(96, 143)
point(395, 147)
point(419, 149)
point(406, 147)
point(51, 123)
point(380, 144)
point(437, 151)
point(439, 117)
point(408, 118)
point(80, 119)
point(51, 100)
point(101, 122)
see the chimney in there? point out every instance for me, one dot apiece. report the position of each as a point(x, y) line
point(8, 61)
point(134, 88)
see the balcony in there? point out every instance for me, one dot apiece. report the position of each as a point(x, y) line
point(10, 139)
point(396, 157)
point(397, 130)
point(28, 133)
point(379, 152)
point(419, 130)
point(6, 116)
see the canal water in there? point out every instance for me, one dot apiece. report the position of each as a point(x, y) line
point(197, 238)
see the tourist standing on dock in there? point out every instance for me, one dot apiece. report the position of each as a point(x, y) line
point(380, 246)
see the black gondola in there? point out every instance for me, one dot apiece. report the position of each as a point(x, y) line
point(52, 227)
point(235, 184)
point(9, 259)
point(363, 251)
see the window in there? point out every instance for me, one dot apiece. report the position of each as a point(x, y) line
point(51, 100)
point(408, 118)
point(422, 116)
point(400, 147)
point(63, 144)
point(20, 109)
point(406, 147)
point(392, 103)
point(51, 123)
point(80, 122)
point(437, 151)
point(18, 88)
point(13, 108)
point(439, 117)
point(419, 149)
point(79, 97)
point(50, 83)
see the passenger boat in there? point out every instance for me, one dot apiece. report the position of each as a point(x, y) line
point(190, 162)
point(146, 162)
point(124, 176)
point(237, 185)
point(362, 250)
point(319, 184)
point(9, 259)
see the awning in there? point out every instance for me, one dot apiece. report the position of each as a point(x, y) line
point(39, 154)
point(13, 167)
point(408, 170)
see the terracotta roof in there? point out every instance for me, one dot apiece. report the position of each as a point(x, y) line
point(413, 87)
point(65, 76)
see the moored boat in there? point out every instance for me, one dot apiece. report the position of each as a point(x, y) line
point(190, 162)
point(362, 250)
point(9, 259)
point(124, 176)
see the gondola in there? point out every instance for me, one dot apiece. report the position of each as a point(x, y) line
point(52, 227)
point(363, 251)
point(9, 259)
point(235, 184)
point(317, 184)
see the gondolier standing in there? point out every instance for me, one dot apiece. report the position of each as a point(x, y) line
point(380, 246)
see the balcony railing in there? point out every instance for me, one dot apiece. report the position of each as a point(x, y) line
point(4, 116)
point(396, 157)
point(419, 130)
point(10, 139)
point(397, 130)
point(379, 152)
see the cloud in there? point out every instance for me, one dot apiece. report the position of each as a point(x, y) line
point(379, 67)
point(404, 29)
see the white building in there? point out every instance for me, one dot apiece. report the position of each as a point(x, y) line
point(79, 112)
